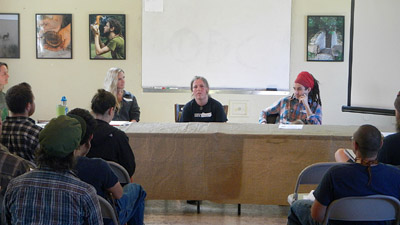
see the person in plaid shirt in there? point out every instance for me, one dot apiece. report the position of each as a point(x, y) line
point(303, 107)
point(20, 134)
point(52, 193)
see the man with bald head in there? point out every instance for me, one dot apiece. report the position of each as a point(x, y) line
point(364, 177)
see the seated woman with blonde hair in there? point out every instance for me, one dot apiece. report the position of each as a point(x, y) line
point(128, 108)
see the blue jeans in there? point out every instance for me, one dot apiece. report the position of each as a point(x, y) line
point(130, 207)
point(300, 213)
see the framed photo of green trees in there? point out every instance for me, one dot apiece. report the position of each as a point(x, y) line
point(325, 38)
point(107, 36)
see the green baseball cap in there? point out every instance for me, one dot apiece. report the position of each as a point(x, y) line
point(61, 136)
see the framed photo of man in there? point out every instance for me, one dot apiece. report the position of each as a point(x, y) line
point(9, 35)
point(54, 36)
point(107, 36)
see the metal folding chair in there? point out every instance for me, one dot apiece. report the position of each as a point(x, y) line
point(365, 208)
point(120, 172)
point(312, 174)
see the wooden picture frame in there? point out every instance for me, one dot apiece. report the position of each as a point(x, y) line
point(9, 35)
point(53, 36)
point(325, 38)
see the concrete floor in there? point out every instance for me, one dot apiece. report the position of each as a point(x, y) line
point(161, 212)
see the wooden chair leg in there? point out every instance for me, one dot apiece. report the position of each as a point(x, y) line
point(239, 209)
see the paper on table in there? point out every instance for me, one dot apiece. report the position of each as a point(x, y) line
point(387, 133)
point(120, 123)
point(291, 126)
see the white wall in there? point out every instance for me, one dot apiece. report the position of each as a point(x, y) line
point(79, 77)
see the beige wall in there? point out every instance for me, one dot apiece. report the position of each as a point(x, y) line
point(78, 78)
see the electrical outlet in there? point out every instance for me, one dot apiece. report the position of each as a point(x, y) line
point(238, 108)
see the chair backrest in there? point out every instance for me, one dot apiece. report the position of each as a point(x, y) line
point(312, 174)
point(226, 109)
point(179, 108)
point(120, 172)
point(365, 208)
point(178, 111)
point(107, 211)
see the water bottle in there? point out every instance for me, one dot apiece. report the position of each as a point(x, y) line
point(62, 109)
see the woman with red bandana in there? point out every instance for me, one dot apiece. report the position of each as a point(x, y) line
point(302, 107)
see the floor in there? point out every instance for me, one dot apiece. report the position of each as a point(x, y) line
point(161, 212)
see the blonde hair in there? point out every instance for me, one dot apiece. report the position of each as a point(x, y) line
point(111, 82)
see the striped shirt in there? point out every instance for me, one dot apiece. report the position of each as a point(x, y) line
point(46, 197)
point(290, 110)
point(21, 136)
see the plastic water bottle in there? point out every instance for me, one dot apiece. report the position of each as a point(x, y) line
point(62, 109)
point(64, 103)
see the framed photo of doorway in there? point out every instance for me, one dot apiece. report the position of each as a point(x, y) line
point(325, 38)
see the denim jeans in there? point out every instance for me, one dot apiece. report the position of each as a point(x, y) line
point(130, 207)
point(300, 213)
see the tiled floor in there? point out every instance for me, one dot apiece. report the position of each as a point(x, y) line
point(161, 212)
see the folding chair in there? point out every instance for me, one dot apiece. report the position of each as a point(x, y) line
point(120, 172)
point(178, 111)
point(365, 208)
point(312, 174)
point(107, 211)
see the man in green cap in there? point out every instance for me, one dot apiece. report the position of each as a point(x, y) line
point(52, 194)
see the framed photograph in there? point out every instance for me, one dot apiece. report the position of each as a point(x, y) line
point(107, 36)
point(54, 36)
point(9, 35)
point(325, 38)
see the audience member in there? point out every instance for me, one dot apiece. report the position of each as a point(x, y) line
point(3, 81)
point(202, 108)
point(129, 200)
point(10, 166)
point(52, 194)
point(364, 177)
point(20, 134)
point(389, 152)
point(109, 143)
point(128, 108)
point(302, 107)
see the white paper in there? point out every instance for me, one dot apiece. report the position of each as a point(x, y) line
point(387, 133)
point(120, 123)
point(291, 126)
point(153, 5)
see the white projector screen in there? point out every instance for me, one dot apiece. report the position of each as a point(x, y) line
point(235, 44)
point(375, 74)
